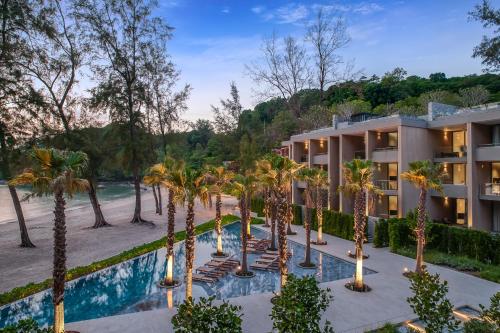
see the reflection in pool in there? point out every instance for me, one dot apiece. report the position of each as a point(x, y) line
point(131, 285)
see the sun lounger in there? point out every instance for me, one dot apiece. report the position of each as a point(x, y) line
point(212, 271)
point(203, 278)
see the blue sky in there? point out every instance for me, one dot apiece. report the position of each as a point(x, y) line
point(214, 39)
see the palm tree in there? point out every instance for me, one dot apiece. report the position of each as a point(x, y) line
point(281, 172)
point(242, 188)
point(358, 181)
point(426, 176)
point(306, 176)
point(190, 186)
point(219, 178)
point(267, 205)
point(55, 173)
point(172, 181)
point(319, 182)
point(154, 177)
point(266, 176)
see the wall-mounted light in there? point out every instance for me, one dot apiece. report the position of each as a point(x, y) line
point(306, 145)
point(445, 135)
point(321, 143)
point(379, 136)
point(446, 201)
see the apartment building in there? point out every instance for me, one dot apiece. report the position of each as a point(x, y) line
point(465, 141)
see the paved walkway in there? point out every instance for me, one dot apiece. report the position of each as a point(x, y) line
point(85, 245)
point(349, 312)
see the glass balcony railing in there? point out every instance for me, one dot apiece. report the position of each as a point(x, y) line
point(386, 148)
point(386, 185)
point(360, 154)
point(449, 152)
point(490, 189)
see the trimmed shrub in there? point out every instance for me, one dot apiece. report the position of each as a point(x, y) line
point(335, 223)
point(297, 215)
point(381, 234)
point(203, 316)
point(257, 206)
point(399, 233)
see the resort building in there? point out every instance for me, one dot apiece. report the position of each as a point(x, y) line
point(465, 141)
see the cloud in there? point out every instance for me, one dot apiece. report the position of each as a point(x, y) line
point(291, 13)
point(258, 9)
point(367, 8)
point(225, 10)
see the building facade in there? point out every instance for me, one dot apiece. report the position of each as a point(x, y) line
point(465, 141)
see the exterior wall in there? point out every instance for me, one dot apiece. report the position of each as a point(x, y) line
point(479, 212)
point(333, 172)
point(413, 144)
point(349, 144)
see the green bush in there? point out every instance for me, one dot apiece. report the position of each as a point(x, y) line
point(300, 305)
point(25, 326)
point(430, 304)
point(335, 223)
point(204, 317)
point(297, 215)
point(257, 206)
point(399, 234)
point(387, 328)
point(381, 234)
point(478, 326)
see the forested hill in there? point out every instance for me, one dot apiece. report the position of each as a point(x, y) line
point(257, 131)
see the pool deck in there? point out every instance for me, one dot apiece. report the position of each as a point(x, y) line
point(349, 312)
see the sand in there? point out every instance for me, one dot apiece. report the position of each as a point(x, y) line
point(19, 266)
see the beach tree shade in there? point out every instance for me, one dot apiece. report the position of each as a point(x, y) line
point(154, 177)
point(358, 182)
point(218, 179)
point(56, 173)
point(190, 186)
point(242, 187)
point(281, 172)
point(305, 175)
point(426, 176)
point(319, 182)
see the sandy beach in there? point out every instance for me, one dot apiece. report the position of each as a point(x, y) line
point(19, 266)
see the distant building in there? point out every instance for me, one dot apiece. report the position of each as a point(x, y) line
point(466, 141)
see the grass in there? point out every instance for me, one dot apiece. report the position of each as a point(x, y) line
point(460, 263)
point(74, 273)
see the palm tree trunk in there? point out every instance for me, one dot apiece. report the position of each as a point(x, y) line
point(359, 236)
point(266, 207)
point(244, 236)
point(289, 214)
point(160, 204)
point(307, 226)
point(218, 223)
point(282, 242)
point(190, 239)
point(156, 199)
point(59, 269)
point(25, 239)
point(210, 204)
point(169, 278)
point(319, 215)
point(99, 221)
point(248, 217)
point(420, 230)
point(274, 214)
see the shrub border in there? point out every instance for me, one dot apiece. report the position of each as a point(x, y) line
point(79, 271)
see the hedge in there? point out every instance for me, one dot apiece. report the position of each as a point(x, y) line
point(381, 234)
point(335, 223)
point(257, 206)
point(474, 244)
point(297, 215)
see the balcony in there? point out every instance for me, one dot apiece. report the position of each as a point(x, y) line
point(304, 158)
point(360, 154)
point(489, 191)
point(447, 154)
point(452, 191)
point(320, 159)
point(385, 155)
point(488, 152)
point(386, 185)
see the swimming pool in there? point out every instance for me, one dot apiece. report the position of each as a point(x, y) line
point(131, 286)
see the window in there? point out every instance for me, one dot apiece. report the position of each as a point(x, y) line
point(495, 173)
point(459, 145)
point(393, 205)
point(392, 173)
point(460, 214)
point(459, 174)
point(392, 139)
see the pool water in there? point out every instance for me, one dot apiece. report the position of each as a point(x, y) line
point(131, 285)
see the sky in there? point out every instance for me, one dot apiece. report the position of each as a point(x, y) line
point(214, 39)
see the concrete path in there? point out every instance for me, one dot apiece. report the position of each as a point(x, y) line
point(85, 245)
point(350, 311)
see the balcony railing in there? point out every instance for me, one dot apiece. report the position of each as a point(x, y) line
point(360, 154)
point(386, 185)
point(490, 189)
point(496, 144)
point(447, 152)
point(386, 148)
